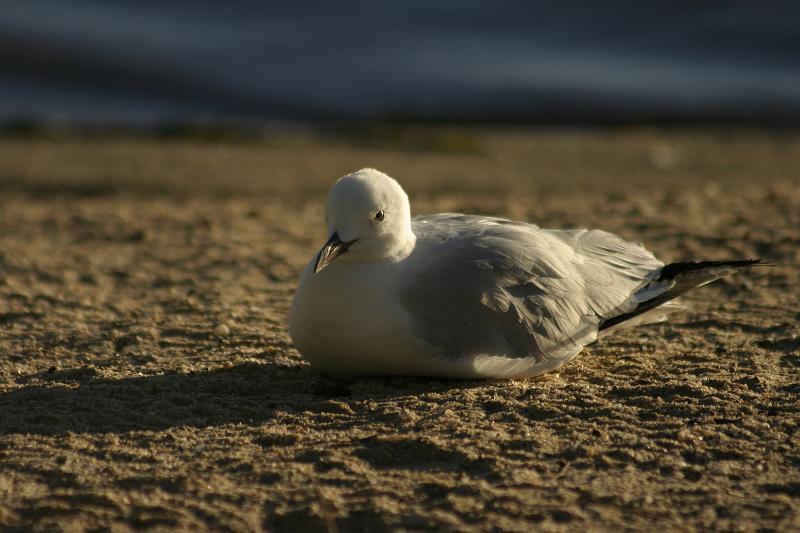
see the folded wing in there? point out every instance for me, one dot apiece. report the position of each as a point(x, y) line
point(513, 294)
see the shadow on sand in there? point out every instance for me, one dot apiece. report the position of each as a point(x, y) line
point(78, 400)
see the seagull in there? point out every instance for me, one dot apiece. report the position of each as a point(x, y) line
point(468, 297)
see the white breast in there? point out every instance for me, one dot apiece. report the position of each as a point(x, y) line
point(345, 321)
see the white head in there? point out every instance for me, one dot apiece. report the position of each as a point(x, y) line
point(369, 217)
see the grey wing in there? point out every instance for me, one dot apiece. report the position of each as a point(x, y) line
point(481, 286)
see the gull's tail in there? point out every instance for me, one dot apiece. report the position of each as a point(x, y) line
point(675, 279)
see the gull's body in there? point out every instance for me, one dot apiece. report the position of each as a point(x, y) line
point(464, 296)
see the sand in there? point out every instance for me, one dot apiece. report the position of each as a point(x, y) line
point(147, 379)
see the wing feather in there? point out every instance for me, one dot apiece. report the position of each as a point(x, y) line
point(489, 288)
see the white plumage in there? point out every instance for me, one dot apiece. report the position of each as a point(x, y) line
point(463, 296)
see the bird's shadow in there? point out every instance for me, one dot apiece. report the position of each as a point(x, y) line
point(80, 401)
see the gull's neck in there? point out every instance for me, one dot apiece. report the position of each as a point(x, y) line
point(404, 246)
point(400, 245)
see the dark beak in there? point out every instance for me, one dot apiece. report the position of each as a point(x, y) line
point(332, 249)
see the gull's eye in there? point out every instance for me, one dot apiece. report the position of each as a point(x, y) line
point(379, 216)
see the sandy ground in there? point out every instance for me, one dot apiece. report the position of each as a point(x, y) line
point(147, 379)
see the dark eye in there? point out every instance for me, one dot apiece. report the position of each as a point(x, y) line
point(379, 215)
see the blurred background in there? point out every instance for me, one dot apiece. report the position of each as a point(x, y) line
point(144, 63)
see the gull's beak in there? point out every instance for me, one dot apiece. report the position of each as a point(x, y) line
point(332, 249)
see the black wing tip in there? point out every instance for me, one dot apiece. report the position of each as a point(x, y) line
point(673, 270)
point(680, 274)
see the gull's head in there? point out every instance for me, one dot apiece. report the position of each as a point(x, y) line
point(369, 219)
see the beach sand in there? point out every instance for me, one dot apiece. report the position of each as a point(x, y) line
point(147, 379)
